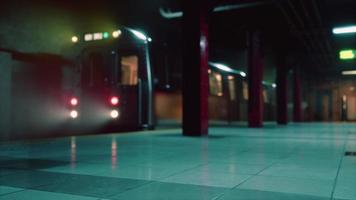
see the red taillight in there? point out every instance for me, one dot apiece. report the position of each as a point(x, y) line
point(114, 101)
point(74, 101)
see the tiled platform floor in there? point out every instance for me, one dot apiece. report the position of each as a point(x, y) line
point(295, 162)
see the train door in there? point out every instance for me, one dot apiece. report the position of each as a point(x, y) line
point(233, 107)
point(134, 80)
point(127, 70)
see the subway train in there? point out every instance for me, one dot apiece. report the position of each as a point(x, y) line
point(103, 83)
point(228, 89)
point(115, 87)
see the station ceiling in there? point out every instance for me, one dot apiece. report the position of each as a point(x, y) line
point(301, 28)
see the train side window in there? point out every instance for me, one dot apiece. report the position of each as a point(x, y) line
point(245, 90)
point(215, 82)
point(232, 87)
point(129, 70)
point(265, 96)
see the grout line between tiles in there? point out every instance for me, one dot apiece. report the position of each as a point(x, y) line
point(339, 168)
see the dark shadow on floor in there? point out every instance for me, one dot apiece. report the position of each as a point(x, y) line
point(33, 164)
point(74, 184)
point(217, 124)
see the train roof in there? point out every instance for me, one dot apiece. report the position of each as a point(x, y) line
point(228, 70)
point(112, 35)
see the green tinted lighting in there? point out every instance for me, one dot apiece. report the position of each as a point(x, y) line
point(347, 54)
point(106, 35)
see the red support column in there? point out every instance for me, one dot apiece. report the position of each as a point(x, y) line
point(195, 68)
point(255, 76)
point(297, 97)
point(282, 95)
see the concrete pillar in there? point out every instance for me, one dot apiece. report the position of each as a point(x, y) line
point(195, 68)
point(297, 97)
point(282, 95)
point(255, 76)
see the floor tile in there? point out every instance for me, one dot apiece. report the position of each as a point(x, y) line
point(227, 180)
point(231, 168)
point(6, 190)
point(40, 195)
point(294, 161)
point(139, 172)
point(313, 187)
point(345, 189)
point(238, 194)
point(301, 171)
point(93, 186)
point(171, 191)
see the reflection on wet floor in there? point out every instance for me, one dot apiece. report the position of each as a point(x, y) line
point(284, 162)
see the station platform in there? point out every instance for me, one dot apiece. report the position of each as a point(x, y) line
point(294, 162)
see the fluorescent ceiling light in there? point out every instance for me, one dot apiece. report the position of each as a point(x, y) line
point(222, 67)
point(344, 30)
point(139, 35)
point(227, 69)
point(349, 72)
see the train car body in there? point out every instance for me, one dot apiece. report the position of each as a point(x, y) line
point(102, 83)
point(228, 99)
point(114, 92)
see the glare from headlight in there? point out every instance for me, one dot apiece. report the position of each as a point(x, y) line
point(74, 114)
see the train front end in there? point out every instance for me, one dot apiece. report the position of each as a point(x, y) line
point(114, 88)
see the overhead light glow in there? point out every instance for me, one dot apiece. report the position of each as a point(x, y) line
point(75, 39)
point(116, 34)
point(274, 85)
point(345, 30)
point(349, 72)
point(114, 114)
point(139, 35)
point(73, 114)
point(347, 54)
point(243, 74)
point(222, 67)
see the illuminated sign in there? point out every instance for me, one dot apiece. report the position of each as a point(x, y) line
point(98, 36)
point(88, 37)
point(347, 54)
point(105, 35)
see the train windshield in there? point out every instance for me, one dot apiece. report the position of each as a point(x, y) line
point(107, 70)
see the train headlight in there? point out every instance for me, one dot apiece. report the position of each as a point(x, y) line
point(114, 114)
point(114, 101)
point(74, 101)
point(74, 114)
